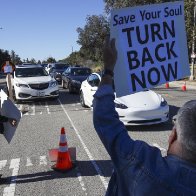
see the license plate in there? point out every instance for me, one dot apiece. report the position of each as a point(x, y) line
point(41, 94)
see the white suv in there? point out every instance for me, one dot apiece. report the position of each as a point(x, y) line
point(31, 82)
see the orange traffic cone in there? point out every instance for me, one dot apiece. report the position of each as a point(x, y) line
point(166, 85)
point(64, 162)
point(184, 86)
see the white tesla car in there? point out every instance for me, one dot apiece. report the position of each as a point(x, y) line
point(142, 108)
point(31, 82)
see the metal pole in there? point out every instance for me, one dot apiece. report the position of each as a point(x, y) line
point(193, 56)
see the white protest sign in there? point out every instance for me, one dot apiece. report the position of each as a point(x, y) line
point(151, 44)
point(9, 110)
point(8, 69)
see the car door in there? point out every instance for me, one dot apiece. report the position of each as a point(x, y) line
point(65, 77)
point(92, 85)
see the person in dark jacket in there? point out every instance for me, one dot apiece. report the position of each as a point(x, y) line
point(140, 169)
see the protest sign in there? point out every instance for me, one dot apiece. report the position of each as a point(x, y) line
point(9, 110)
point(151, 44)
point(8, 69)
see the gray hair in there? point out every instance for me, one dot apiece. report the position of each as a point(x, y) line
point(186, 128)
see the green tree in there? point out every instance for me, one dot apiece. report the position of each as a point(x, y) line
point(33, 61)
point(91, 37)
point(110, 4)
point(189, 17)
point(188, 6)
point(15, 59)
point(4, 56)
point(51, 60)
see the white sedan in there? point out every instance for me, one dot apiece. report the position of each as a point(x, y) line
point(142, 108)
point(31, 82)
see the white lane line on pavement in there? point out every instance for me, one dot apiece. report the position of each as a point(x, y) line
point(10, 191)
point(103, 180)
point(81, 182)
point(40, 107)
point(33, 110)
point(27, 109)
point(2, 164)
point(156, 145)
point(29, 163)
point(47, 108)
point(43, 160)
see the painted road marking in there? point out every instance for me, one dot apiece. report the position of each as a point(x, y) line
point(29, 163)
point(43, 160)
point(40, 105)
point(14, 164)
point(31, 108)
point(2, 164)
point(101, 176)
point(81, 182)
point(47, 108)
point(9, 191)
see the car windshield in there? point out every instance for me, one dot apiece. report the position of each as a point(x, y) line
point(31, 72)
point(61, 66)
point(80, 72)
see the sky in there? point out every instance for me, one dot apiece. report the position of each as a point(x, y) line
point(44, 28)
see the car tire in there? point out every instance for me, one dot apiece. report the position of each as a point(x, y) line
point(70, 88)
point(82, 102)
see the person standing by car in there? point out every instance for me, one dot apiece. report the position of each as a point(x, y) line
point(140, 169)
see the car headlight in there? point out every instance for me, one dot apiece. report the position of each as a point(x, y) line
point(76, 82)
point(22, 85)
point(53, 83)
point(163, 102)
point(120, 105)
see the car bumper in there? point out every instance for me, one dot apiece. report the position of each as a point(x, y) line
point(144, 117)
point(28, 93)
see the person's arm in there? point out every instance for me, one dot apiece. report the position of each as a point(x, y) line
point(110, 129)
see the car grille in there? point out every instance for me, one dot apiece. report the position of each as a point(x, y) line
point(40, 86)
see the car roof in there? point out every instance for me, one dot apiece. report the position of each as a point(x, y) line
point(29, 66)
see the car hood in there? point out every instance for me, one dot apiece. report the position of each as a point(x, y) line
point(34, 80)
point(146, 100)
point(79, 78)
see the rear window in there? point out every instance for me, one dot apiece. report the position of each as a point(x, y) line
point(81, 72)
point(61, 66)
point(30, 72)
